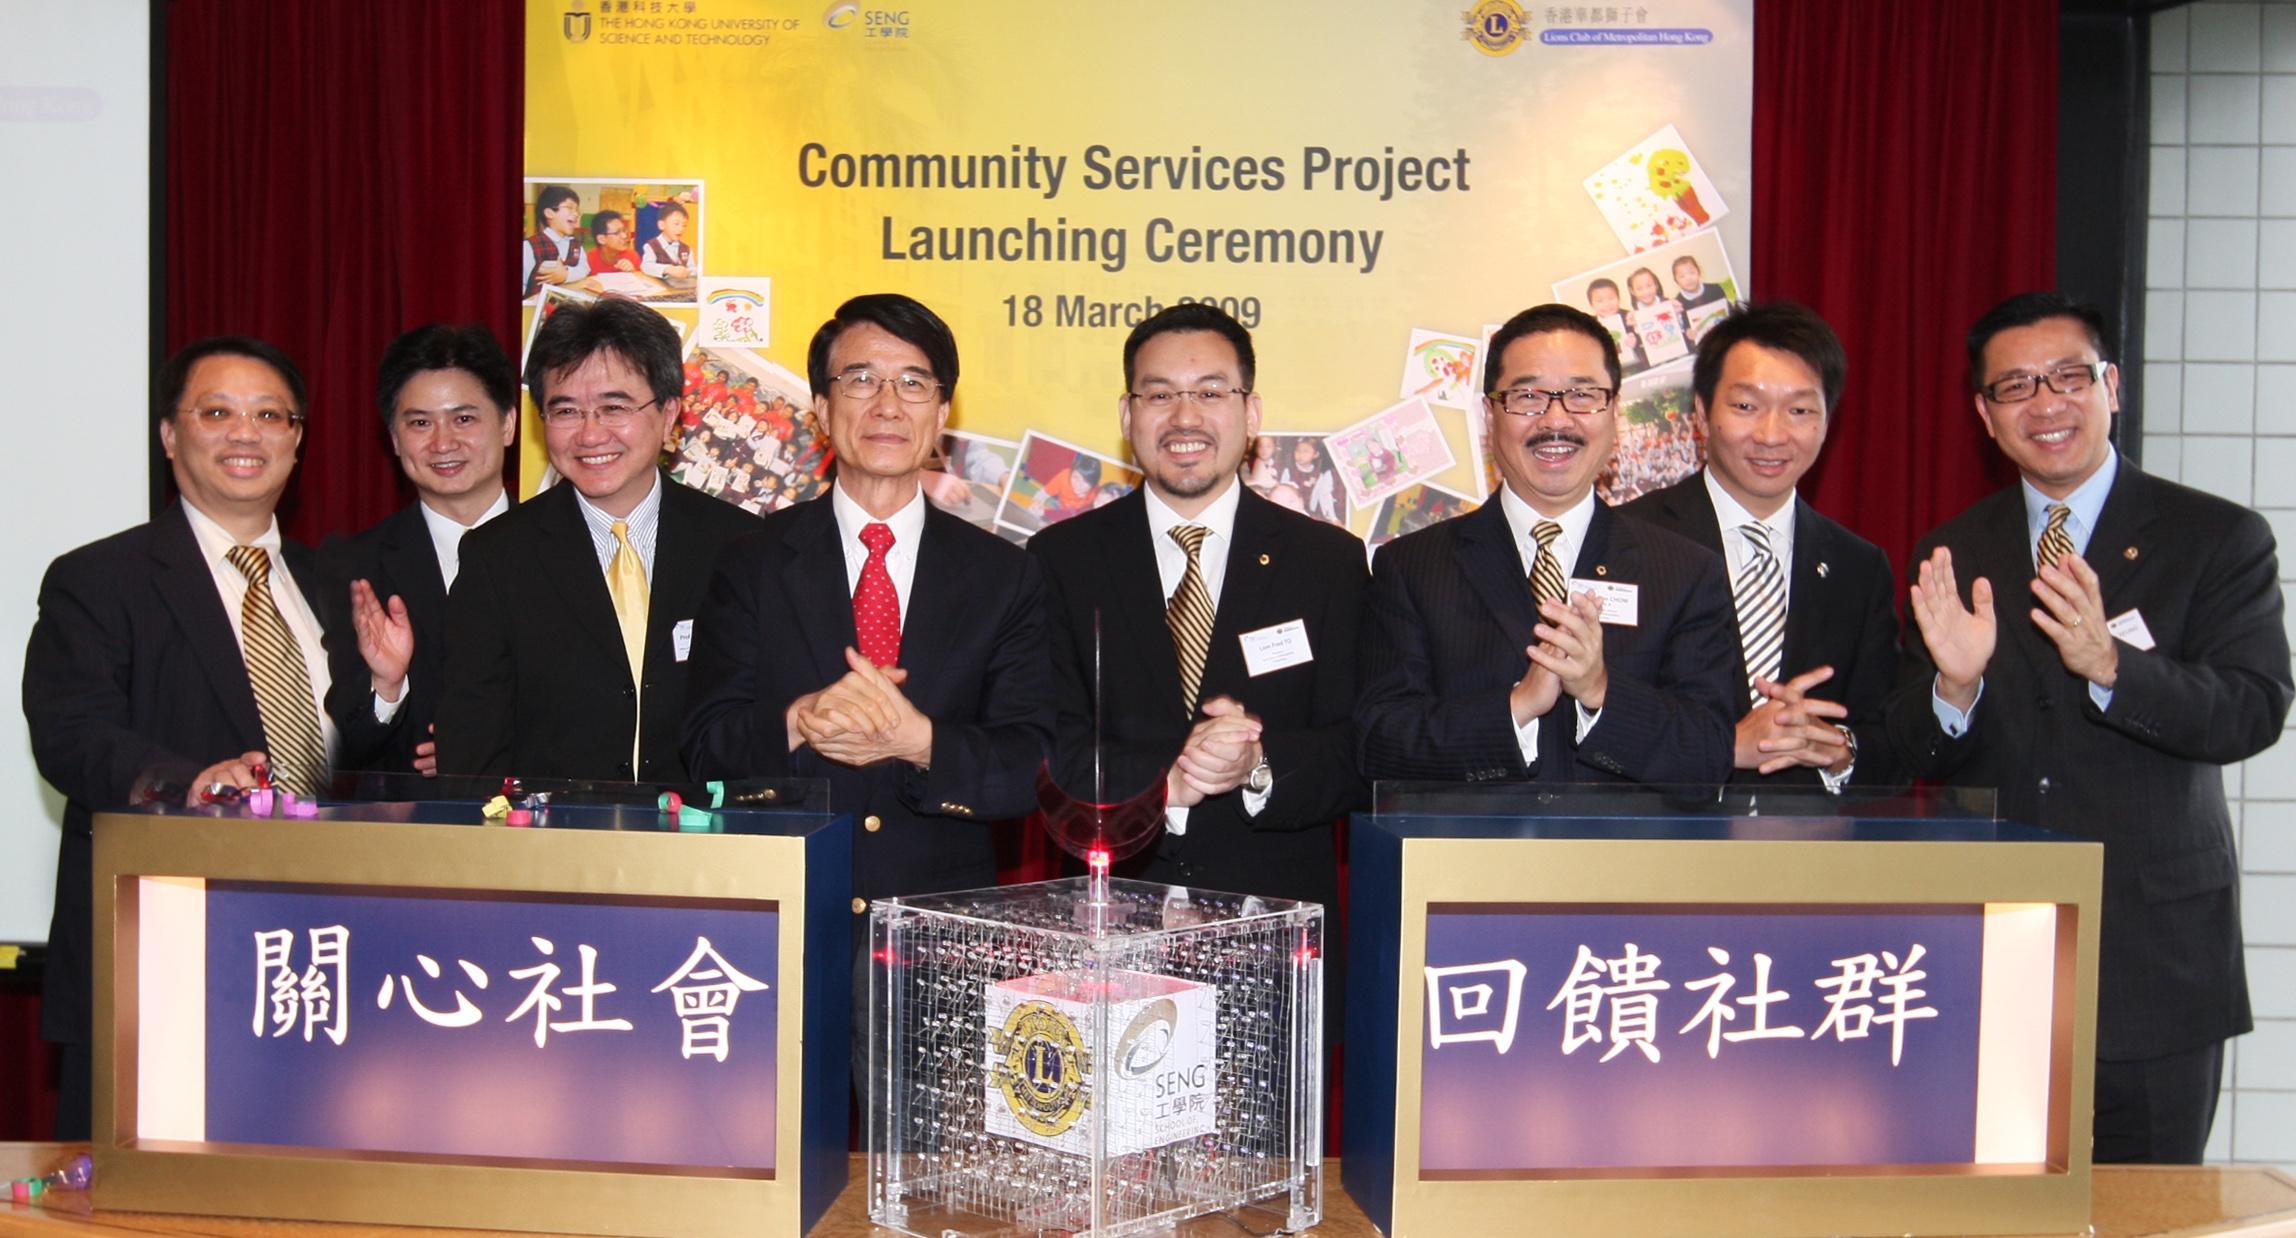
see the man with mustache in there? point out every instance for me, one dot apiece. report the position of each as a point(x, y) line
point(448, 397)
point(1208, 632)
point(873, 640)
point(1544, 637)
point(179, 657)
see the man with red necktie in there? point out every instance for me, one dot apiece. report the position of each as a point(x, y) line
point(870, 639)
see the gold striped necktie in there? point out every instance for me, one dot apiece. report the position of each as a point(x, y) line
point(292, 738)
point(1190, 616)
point(2056, 543)
point(1547, 584)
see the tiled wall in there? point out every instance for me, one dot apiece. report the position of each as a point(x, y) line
point(2220, 414)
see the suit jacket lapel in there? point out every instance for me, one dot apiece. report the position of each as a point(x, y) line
point(2117, 544)
point(411, 561)
point(1494, 568)
point(938, 594)
point(1809, 601)
point(2008, 563)
point(813, 580)
point(187, 585)
point(1128, 556)
point(1694, 513)
point(570, 562)
point(1255, 547)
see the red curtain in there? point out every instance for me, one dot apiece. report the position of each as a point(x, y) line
point(336, 174)
point(1905, 178)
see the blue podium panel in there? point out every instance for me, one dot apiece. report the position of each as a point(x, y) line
point(410, 1013)
point(1609, 1011)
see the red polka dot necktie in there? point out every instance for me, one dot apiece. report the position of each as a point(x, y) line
point(876, 608)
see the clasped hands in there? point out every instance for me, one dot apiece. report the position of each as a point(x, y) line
point(1219, 753)
point(1791, 727)
point(861, 719)
point(1961, 638)
point(1566, 661)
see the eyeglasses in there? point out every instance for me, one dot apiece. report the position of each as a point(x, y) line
point(611, 416)
point(864, 385)
point(1532, 402)
point(265, 420)
point(1205, 398)
point(2064, 380)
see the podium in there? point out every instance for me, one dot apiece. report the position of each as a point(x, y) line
point(615, 1020)
point(1621, 1010)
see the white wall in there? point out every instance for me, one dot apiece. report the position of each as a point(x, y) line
point(2220, 414)
point(75, 119)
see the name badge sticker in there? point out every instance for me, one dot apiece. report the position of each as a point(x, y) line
point(1621, 603)
point(682, 639)
point(1274, 648)
point(2130, 627)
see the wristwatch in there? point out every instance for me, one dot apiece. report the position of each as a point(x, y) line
point(1261, 778)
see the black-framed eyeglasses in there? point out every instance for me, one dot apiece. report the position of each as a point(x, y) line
point(907, 387)
point(1206, 398)
point(1533, 402)
point(613, 416)
point(2064, 380)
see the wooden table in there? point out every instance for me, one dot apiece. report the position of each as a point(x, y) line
point(2129, 1202)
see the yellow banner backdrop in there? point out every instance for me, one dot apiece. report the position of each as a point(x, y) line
point(1367, 186)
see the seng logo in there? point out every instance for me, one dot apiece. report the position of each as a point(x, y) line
point(1041, 1071)
point(1148, 1039)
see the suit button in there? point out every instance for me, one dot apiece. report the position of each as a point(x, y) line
point(872, 823)
point(860, 905)
point(2044, 786)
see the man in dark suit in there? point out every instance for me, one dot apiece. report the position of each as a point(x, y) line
point(172, 660)
point(1543, 636)
point(1231, 662)
point(873, 640)
point(2142, 649)
point(446, 395)
point(570, 621)
point(1813, 603)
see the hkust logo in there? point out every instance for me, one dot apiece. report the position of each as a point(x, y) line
point(576, 26)
point(839, 16)
point(1495, 27)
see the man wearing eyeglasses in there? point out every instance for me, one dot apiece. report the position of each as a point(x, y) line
point(571, 617)
point(2096, 644)
point(1543, 636)
point(184, 659)
point(1814, 603)
point(1204, 636)
point(873, 640)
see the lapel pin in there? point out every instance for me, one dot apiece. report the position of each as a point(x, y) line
point(1263, 560)
point(2130, 553)
point(1602, 569)
point(1822, 570)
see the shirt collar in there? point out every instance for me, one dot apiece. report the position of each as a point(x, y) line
point(440, 524)
point(642, 516)
point(1521, 517)
point(215, 541)
point(908, 524)
point(2087, 502)
point(1219, 518)
point(1732, 514)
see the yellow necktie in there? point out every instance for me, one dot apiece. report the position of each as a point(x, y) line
point(626, 584)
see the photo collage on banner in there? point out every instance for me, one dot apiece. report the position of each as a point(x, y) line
point(1370, 236)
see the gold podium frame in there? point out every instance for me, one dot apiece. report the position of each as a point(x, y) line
point(222, 1179)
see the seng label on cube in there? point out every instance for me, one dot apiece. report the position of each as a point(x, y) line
point(1041, 1059)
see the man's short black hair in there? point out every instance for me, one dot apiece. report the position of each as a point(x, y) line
point(1781, 326)
point(167, 388)
point(1594, 286)
point(902, 317)
point(667, 209)
point(2023, 310)
point(1193, 316)
point(442, 346)
point(549, 199)
point(599, 221)
point(640, 337)
point(1540, 319)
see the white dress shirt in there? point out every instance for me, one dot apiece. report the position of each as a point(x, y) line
point(644, 521)
point(446, 534)
point(215, 544)
point(1219, 524)
point(1575, 522)
point(908, 525)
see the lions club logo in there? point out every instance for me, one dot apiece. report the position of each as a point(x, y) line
point(1495, 27)
point(1041, 1068)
